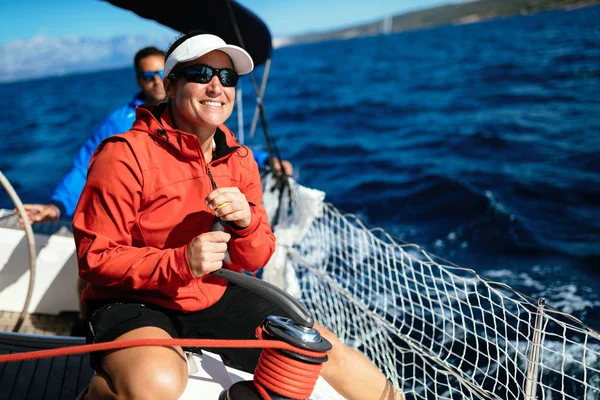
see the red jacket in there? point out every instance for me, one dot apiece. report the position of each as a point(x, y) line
point(144, 201)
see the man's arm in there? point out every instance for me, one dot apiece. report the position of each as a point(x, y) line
point(66, 195)
point(262, 159)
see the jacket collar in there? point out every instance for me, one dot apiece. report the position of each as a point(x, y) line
point(157, 122)
point(137, 100)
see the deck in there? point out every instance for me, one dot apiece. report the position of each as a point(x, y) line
point(47, 378)
point(39, 323)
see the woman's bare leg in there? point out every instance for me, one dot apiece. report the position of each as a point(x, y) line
point(150, 372)
point(352, 375)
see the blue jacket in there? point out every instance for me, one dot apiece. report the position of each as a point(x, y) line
point(66, 195)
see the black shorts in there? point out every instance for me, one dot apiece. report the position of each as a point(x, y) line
point(235, 316)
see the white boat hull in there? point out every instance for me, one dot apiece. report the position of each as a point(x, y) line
point(55, 287)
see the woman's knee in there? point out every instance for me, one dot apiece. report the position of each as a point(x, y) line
point(156, 386)
point(147, 372)
point(153, 381)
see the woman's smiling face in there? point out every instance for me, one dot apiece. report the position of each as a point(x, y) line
point(203, 105)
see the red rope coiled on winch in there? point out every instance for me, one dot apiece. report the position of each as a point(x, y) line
point(284, 375)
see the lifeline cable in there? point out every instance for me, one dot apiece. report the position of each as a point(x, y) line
point(281, 177)
point(270, 143)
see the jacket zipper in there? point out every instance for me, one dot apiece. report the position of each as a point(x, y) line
point(217, 220)
point(217, 224)
point(212, 181)
point(214, 184)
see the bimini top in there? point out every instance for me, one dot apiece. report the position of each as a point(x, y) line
point(210, 16)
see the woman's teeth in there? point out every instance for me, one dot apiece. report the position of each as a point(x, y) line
point(211, 103)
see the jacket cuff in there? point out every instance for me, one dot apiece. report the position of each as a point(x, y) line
point(183, 264)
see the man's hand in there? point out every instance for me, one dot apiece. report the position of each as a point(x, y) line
point(230, 205)
point(37, 213)
point(285, 165)
point(206, 252)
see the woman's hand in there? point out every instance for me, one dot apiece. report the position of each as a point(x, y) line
point(230, 205)
point(206, 252)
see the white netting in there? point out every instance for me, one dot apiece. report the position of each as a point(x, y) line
point(437, 331)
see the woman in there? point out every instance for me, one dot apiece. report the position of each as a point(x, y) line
point(145, 245)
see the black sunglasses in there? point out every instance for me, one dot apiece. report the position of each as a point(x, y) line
point(200, 73)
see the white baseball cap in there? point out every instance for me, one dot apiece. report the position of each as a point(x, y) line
point(199, 45)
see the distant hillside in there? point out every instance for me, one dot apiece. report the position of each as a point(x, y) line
point(458, 13)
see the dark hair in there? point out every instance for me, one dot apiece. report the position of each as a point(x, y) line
point(183, 38)
point(144, 53)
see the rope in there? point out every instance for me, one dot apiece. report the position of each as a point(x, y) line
point(275, 371)
point(121, 344)
point(30, 242)
point(284, 375)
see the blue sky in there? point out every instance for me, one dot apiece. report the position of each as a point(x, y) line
point(26, 19)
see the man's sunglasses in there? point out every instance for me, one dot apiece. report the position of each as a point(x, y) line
point(200, 73)
point(148, 76)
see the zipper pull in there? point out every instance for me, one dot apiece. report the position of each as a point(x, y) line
point(217, 224)
point(212, 181)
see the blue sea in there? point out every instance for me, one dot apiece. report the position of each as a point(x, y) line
point(478, 142)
